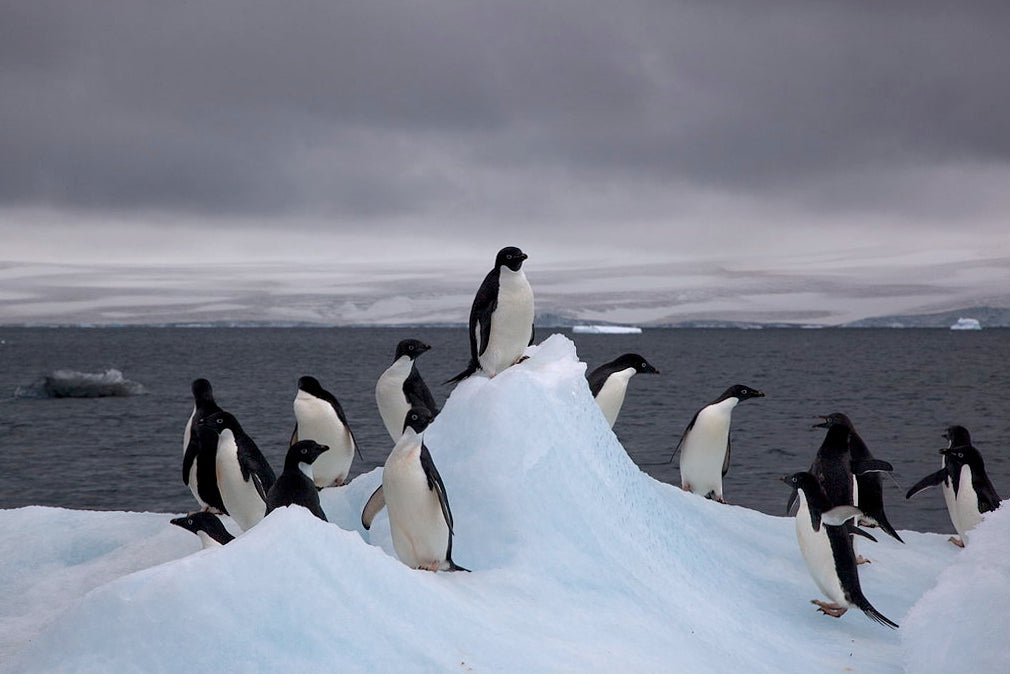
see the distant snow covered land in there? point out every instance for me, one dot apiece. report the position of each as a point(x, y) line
point(580, 563)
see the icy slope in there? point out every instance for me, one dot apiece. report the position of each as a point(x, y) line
point(580, 562)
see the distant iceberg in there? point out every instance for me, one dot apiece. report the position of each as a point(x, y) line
point(74, 384)
point(606, 330)
point(966, 324)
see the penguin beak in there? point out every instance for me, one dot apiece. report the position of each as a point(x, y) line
point(523, 256)
point(823, 424)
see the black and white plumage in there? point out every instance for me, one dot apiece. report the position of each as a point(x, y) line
point(501, 317)
point(400, 387)
point(868, 492)
point(243, 474)
point(705, 444)
point(207, 526)
point(199, 466)
point(826, 546)
point(609, 382)
point(319, 417)
point(968, 491)
point(420, 520)
point(295, 484)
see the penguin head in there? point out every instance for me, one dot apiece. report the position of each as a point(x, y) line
point(636, 362)
point(833, 419)
point(304, 451)
point(510, 257)
point(802, 481)
point(963, 454)
point(411, 348)
point(741, 392)
point(309, 385)
point(417, 419)
point(218, 421)
point(199, 521)
point(202, 389)
point(957, 435)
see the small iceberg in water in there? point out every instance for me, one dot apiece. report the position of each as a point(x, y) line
point(606, 330)
point(73, 384)
point(966, 324)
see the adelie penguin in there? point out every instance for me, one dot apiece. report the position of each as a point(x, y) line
point(207, 526)
point(868, 492)
point(609, 382)
point(199, 458)
point(243, 474)
point(826, 546)
point(400, 387)
point(705, 444)
point(501, 317)
point(295, 485)
point(319, 417)
point(967, 489)
point(414, 495)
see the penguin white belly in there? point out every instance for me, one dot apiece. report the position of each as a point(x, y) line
point(611, 395)
point(240, 497)
point(207, 541)
point(418, 527)
point(511, 323)
point(704, 449)
point(389, 397)
point(816, 550)
point(317, 420)
point(965, 514)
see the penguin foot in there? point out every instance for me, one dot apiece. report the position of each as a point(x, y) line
point(833, 610)
point(862, 560)
point(521, 359)
point(213, 511)
point(429, 567)
point(956, 541)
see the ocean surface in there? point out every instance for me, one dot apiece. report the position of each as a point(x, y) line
point(900, 387)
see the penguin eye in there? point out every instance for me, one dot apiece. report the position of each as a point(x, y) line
point(509, 256)
point(304, 451)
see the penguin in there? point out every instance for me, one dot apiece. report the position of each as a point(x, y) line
point(207, 526)
point(419, 516)
point(501, 318)
point(826, 546)
point(199, 470)
point(609, 382)
point(243, 474)
point(319, 417)
point(705, 443)
point(963, 477)
point(868, 493)
point(295, 485)
point(400, 387)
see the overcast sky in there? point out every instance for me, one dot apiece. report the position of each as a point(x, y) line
point(757, 134)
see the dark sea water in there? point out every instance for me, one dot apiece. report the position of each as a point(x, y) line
point(900, 387)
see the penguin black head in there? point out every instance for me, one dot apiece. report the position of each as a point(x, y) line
point(310, 385)
point(510, 257)
point(218, 421)
point(205, 522)
point(417, 418)
point(304, 451)
point(410, 347)
point(808, 484)
point(957, 436)
point(834, 419)
point(633, 360)
point(202, 389)
point(741, 392)
point(802, 480)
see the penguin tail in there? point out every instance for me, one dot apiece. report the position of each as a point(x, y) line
point(886, 526)
point(873, 614)
point(453, 566)
point(470, 369)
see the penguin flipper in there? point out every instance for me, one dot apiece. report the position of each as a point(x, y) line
point(931, 480)
point(376, 502)
point(988, 499)
point(881, 519)
point(873, 614)
point(435, 484)
point(792, 500)
point(871, 466)
point(192, 449)
point(853, 529)
point(418, 393)
point(725, 461)
point(470, 369)
point(839, 515)
point(294, 435)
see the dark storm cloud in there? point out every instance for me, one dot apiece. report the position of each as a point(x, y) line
point(386, 109)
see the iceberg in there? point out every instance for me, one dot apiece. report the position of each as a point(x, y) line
point(606, 330)
point(74, 384)
point(580, 563)
point(966, 324)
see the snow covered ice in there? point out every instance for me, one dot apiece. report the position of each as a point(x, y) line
point(580, 563)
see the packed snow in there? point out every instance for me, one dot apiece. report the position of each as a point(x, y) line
point(580, 562)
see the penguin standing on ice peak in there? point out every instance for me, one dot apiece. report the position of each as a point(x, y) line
point(705, 445)
point(419, 516)
point(968, 491)
point(868, 493)
point(609, 382)
point(295, 485)
point(400, 387)
point(319, 417)
point(501, 318)
point(199, 465)
point(243, 474)
point(826, 546)
point(207, 526)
